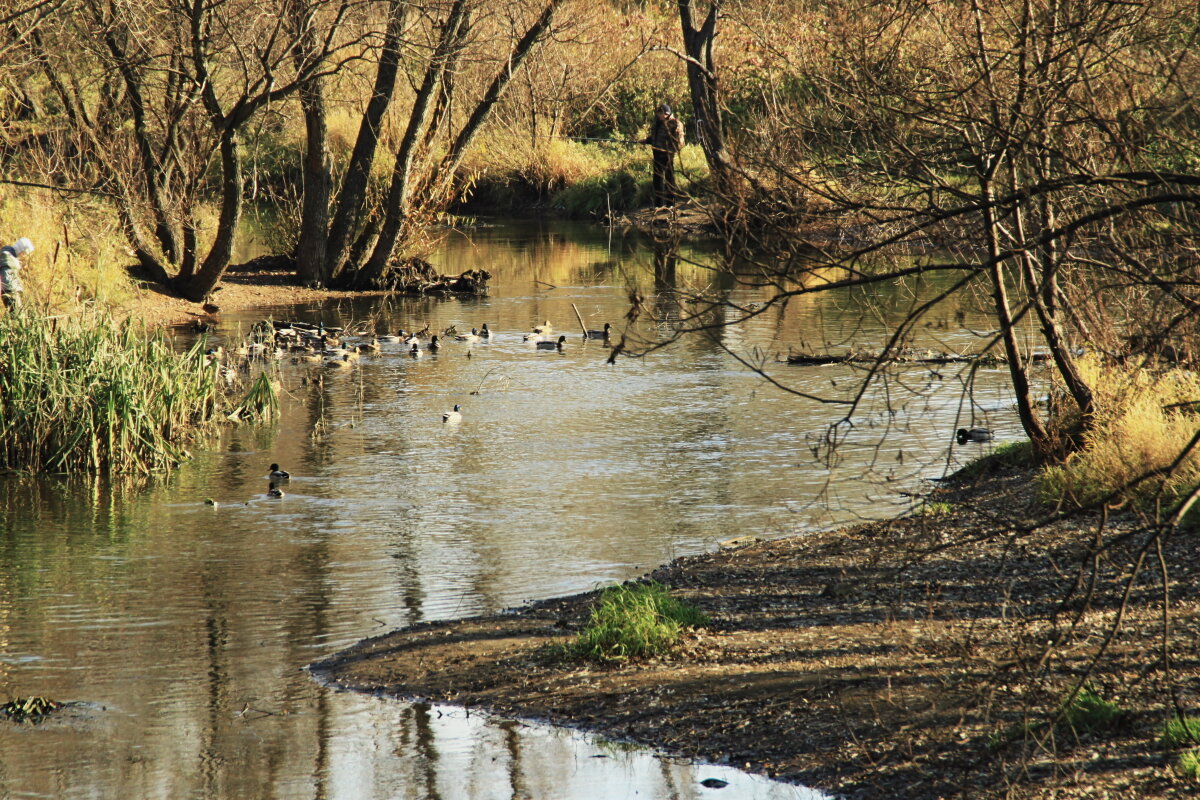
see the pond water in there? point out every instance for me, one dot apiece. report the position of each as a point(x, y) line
point(184, 628)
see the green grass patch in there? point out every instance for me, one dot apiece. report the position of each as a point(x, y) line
point(933, 509)
point(1182, 731)
point(635, 621)
point(1188, 764)
point(1091, 713)
point(1006, 456)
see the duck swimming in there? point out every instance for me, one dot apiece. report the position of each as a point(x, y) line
point(965, 435)
point(552, 345)
point(278, 474)
point(272, 491)
point(484, 333)
point(604, 334)
point(452, 416)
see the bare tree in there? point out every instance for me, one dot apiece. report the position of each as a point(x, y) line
point(698, 42)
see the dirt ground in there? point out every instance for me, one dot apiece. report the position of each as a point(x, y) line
point(238, 291)
point(905, 660)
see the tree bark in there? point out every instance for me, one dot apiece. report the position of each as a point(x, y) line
point(436, 187)
point(351, 199)
point(395, 213)
point(706, 104)
point(311, 248)
point(217, 260)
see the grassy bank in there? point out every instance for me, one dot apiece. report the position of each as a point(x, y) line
point(80, 255)
point(573, 179)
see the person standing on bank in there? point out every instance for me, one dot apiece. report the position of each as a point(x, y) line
point(666, 139)
point(10, 272)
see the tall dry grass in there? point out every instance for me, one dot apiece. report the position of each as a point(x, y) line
point(1143, 421)
point(580, 179)
point(80, 253)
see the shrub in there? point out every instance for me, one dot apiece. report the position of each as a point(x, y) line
point(1182, 731)
point(1142, 421)
point(635, 621)
point(1091, 713)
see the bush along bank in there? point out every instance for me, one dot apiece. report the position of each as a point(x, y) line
point(86, 393)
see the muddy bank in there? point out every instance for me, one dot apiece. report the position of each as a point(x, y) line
point(905, 659)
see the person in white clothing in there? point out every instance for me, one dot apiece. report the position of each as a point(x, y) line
point(11, 287)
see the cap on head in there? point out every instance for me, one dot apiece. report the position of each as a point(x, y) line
point(23, 245)
point(664, 109)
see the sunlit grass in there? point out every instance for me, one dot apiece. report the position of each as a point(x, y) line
point(1142, 423)
point(635, 621)
point(1188, 764)
point(85, 393)
point(1182, 731)
point(577, 178)
point(80, 253)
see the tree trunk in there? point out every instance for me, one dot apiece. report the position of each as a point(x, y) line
point(311, 247)
point(354, 186)
point(436, 187)
point(1026, 409)
point(217, 260)
point(395, 212)
point(702, 80)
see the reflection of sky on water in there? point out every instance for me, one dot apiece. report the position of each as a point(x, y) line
point(188, 625)
point(477, 758)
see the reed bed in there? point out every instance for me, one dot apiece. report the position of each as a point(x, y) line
point(85, 393)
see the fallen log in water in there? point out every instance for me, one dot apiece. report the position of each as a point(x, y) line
point(904, 356)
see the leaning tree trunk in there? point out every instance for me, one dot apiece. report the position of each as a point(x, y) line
point(352, 198)
point(217, 260)
point(395, 213)
point(439, 180)
point(702, 80)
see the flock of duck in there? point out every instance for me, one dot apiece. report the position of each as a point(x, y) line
point(337, 348)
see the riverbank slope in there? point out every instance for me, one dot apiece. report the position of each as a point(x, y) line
point(904, 659)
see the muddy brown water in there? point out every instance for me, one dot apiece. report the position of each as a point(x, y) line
point(183, 629)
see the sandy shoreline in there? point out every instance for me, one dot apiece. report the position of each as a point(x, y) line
point(892, 660)
point(238, 291)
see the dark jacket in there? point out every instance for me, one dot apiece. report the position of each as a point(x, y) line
point(666, 135)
